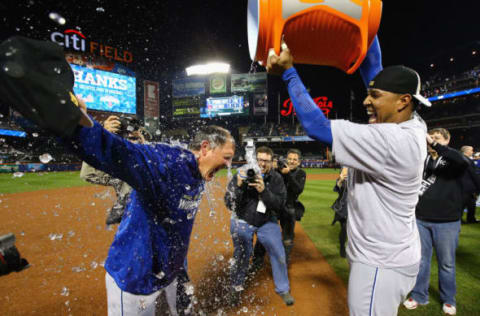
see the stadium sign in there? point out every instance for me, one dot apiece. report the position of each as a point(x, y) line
point(322, 102)
point(75, 40)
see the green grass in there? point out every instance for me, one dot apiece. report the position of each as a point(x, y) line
point(39, 181)
point(54, 180)
point(318, 197)
point(223, 172)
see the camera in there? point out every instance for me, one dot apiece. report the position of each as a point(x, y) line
point(10, 259)
point(282, 163)
point(128, 125)
point(251, 176)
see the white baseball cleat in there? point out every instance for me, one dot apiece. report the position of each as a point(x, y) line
point(449, 309)
point(410, 303)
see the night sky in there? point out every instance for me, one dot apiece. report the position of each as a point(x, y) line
point(167, 36)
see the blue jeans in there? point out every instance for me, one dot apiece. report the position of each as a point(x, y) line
point(270, 236)
point(444, 238)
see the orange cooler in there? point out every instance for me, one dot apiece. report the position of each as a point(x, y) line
point(321, 32)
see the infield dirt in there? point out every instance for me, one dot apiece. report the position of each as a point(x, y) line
point(63, 236)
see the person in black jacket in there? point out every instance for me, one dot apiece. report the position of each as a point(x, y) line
point(341, 209)
point(438, 214)
point(471, 185)
point(294, 179)
point(255, 204)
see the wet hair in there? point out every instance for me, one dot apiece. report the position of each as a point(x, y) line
point(217, 137)
point(295, 151)
point(440, 130)
point(465, 148)
point(265, 150)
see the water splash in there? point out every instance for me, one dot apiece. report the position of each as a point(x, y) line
point(65, 291)
point(45, 158)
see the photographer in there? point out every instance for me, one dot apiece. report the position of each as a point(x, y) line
point(294, 179)
point(255, 200)
point(128, 129)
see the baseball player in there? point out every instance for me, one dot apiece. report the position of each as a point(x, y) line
point(148, 255)
point(385, 161)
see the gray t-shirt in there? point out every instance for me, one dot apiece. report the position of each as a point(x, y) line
point(386, 164)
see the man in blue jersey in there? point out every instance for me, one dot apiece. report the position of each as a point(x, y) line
point(148, 255)
point(385, 161)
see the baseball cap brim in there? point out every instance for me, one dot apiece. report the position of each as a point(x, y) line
point(422, 100)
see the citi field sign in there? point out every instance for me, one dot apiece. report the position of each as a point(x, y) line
point(75, 40)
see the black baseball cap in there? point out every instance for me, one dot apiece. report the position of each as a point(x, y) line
point(37, 81)
point(399, 79)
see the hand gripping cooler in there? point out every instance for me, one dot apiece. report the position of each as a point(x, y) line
point(334, 33)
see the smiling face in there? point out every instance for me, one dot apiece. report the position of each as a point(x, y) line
point(264, 162)
point(387, 107)
point(293, 161)
point(210, 160)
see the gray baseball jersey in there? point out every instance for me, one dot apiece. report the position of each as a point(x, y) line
point(386, 164)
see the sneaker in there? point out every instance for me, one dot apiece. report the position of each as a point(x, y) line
point(410, 303)
point(449, 309)
point(287, 298)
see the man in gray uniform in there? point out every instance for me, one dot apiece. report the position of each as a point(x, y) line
point(385, 160)
point(122, 189)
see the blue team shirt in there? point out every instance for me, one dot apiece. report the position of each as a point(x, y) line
point(151, 244)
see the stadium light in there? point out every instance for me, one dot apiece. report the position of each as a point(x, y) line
point(209, 68)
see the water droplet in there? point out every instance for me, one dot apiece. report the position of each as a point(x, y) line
point(100, 9)
point(160, 275)
point(45, 158)
point(57, 70)
point(62, 101)
point(94, 265)
point(220, 258)
point(18, 174)
point(57, 18)
point(53, 236)
point(245, 309)
point(35, 134)
point(78, 269)
point(65, 291)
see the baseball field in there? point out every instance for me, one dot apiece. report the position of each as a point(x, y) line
point(59, 223)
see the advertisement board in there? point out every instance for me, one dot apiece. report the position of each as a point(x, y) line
point(260, 104)
point(151, 99)
point(254, 82)
point(105, 91)
point(218, 84)
point(187, 106)
point(188, 87)
point(225, 106)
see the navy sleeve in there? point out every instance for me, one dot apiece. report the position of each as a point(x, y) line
point(313, 121)
point(141, 166)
